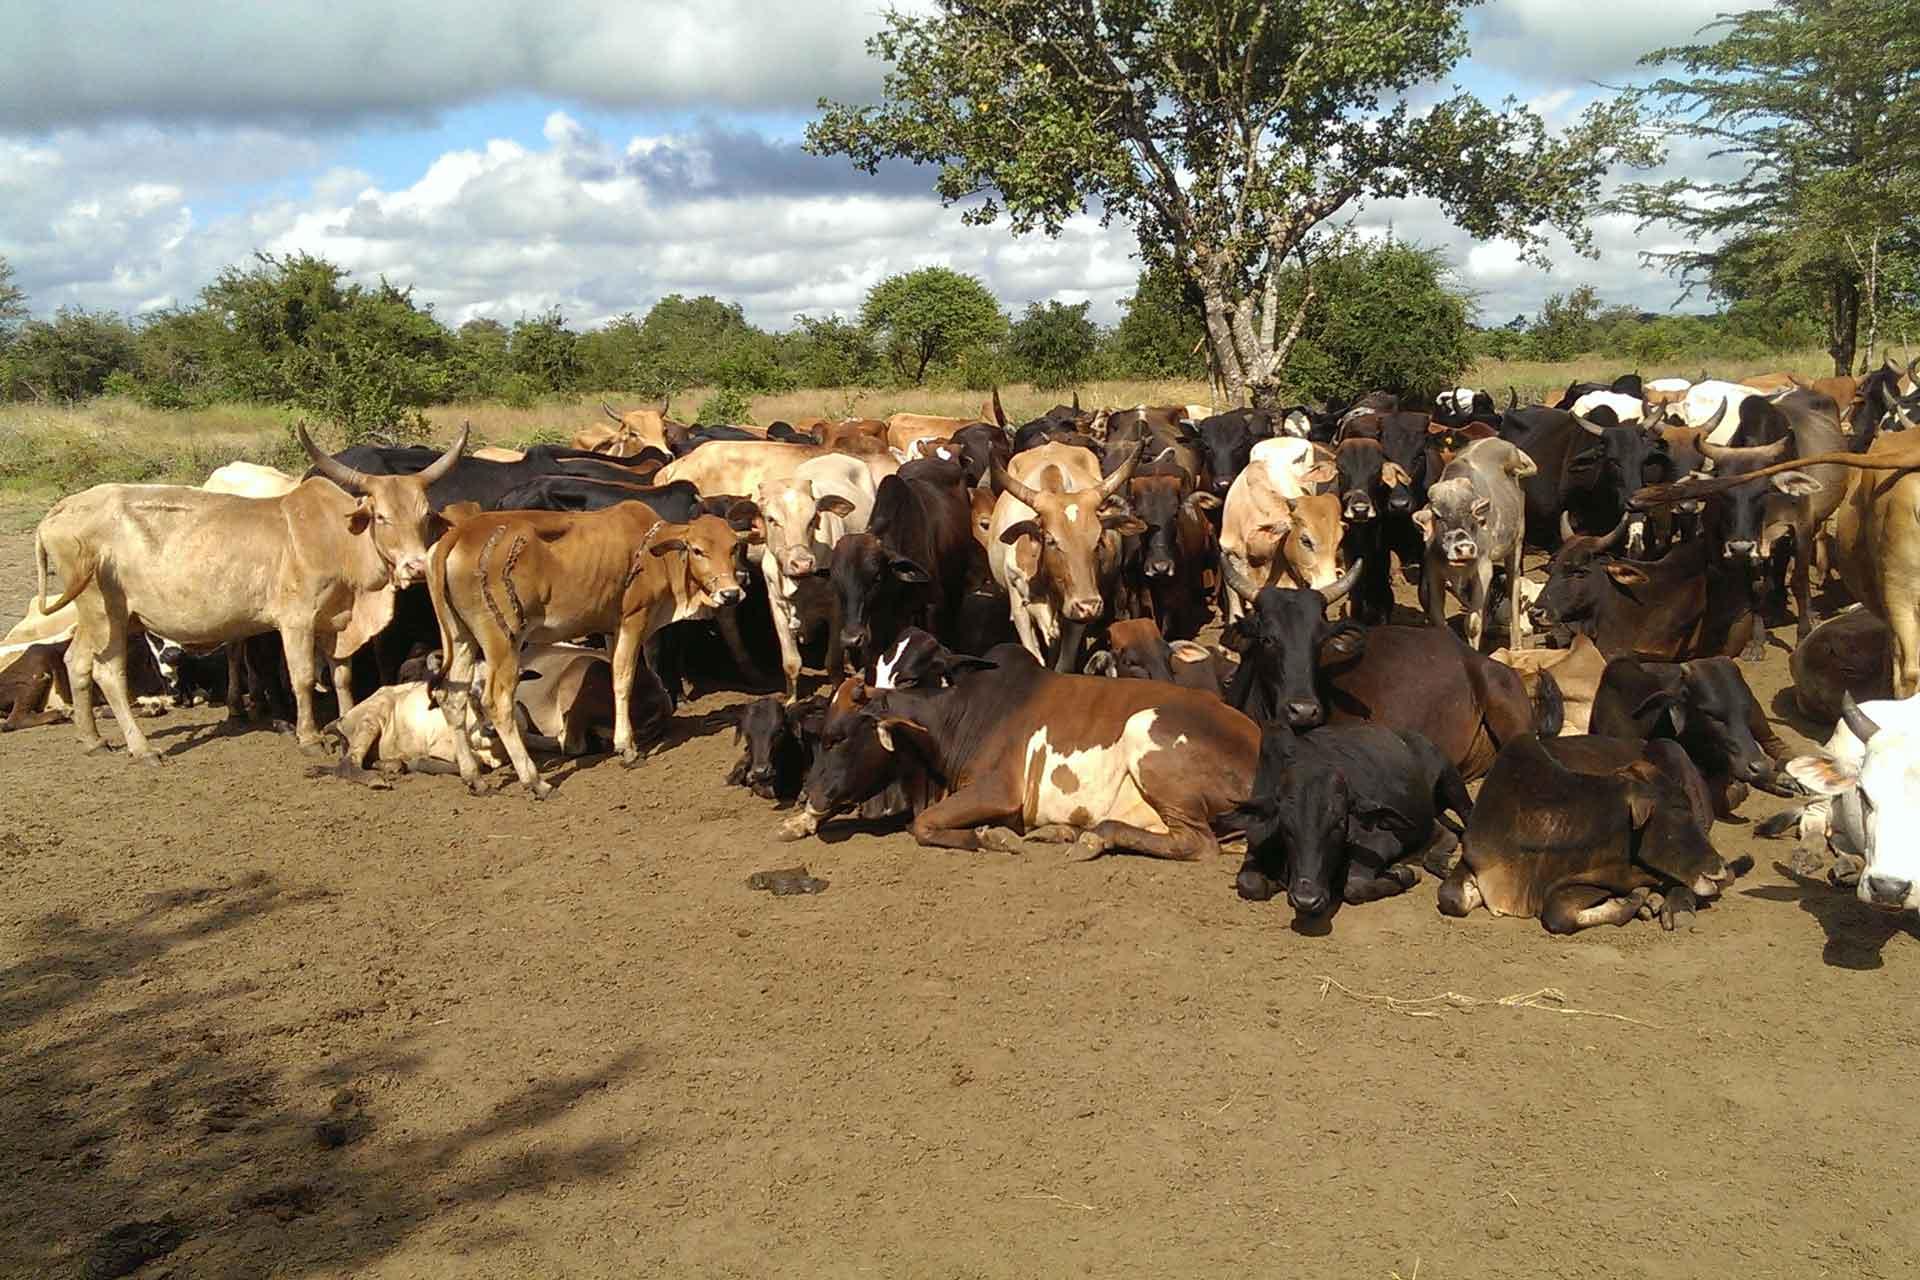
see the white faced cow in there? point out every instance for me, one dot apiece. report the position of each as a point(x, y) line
point(1870, 769)
point(806, 514)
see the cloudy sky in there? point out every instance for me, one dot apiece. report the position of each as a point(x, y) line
point(504, 156)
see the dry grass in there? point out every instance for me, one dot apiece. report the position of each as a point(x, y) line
point(45, 451)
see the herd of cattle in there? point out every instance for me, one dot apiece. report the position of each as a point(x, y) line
point(1021, 611)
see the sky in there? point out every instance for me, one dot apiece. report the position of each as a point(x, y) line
point(596, 155)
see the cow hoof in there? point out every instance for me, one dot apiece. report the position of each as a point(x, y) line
point(539, 788)
point(1676, 909)
point(100, 749)
point(1756, 651)
point(149, 758)
point(1403, 875)
point(1847, 870)
point(629, 758)
point(1253, 886)
point(1090, 845)
point(1805, 862)
point(798, 827)
point(1651, 907)
point(998, 840)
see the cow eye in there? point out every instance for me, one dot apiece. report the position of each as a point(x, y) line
point(378, 518)
point(1306, 542)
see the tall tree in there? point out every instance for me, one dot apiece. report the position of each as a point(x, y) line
point(931, 316)
point(1054, 343)
point(1228, 132)
point(1819, 100)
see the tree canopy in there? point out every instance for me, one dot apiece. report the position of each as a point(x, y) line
point(1054, 344)
point(931, 316)
point(1227, 132)
point(1819, 102)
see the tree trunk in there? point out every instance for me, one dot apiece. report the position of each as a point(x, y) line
point(1843, 325)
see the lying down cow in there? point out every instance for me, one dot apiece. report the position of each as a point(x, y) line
point(1132, 766)
point(564, 704)
point(1586, 831)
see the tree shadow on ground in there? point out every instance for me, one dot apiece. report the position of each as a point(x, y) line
point(124, 1108)
point(1856, 933)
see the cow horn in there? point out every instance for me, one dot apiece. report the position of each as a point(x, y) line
point(999, 414)
point(1566, 527)
point(1619, 531)
point(1718, 414)
point(1076, 399)
point(1857, 720)
point(1007, 484)
point(1513, 398)
point(1123, 473)
point(332, 468)
point(611, 414)
point(1911, 366)
point(1591, 428)
point(1337, 592)
point(439, 467)
point(1762, 454)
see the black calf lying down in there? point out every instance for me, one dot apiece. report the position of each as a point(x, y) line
point(779, 741)
point(1704, 705)
point(1587, 831)
point(1337, 809)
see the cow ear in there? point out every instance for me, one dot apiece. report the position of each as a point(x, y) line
point(1394, 474)
point(743, 515)
point(1122, 522)
point(1203, 501)
point(1627, 575)
point(1482, 507)
point(1101, 664)
point(1387, 817)
point(1640, 802)
point(907, 571)
point(1663, 700)
point(1797, 484)
point(1022, 529)
point(834, 505)
point(360, 517)
point(1322, 473)
point(895, 733)
point(671, 544)
point(1235, 637)
point(1822, 774)
point(1424, 519)
point(1344, 643)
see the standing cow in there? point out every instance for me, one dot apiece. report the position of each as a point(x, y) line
point(1475, 518)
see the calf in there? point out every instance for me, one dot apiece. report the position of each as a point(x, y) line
point(1137, 651)
point(402, 727)
point(1574, 671)
point(1336, 811)
point(1123, 765)
point(1275, 521)
point(806, 515)
point(1371, 486)
point(778, 738)
point(1581, 832)
point(501, 580)
point(1226, 445)
point(1297, 667)
point(1870, 772)
point(1705, 706)
point(29, 682)
point(1476, 518)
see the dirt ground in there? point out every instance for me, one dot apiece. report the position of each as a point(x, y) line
point(326, 1031)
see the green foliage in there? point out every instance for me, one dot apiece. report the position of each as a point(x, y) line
point(827, 351)
point(1226, 133)
point(931, 316)
point(1161, 333)
point(1566, 326)
point(726, 407)
point(544, 351)
point(1820, 102)
point(68, 358)
point(478, 366)
point(13, 303)
point(1054, 344)
point(1382, 316)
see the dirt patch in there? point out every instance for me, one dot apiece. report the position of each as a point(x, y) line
point(324, 1031)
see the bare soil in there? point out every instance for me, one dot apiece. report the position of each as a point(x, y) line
point(316, 1030)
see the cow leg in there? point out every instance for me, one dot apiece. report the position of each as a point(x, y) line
point(1573, 907)
point(1367, 884)
point(836, 649)
point(1479, 594)
point(1184, 840)
point(1433, 597)
point(1905, 628)
point(786, 625)
point(342, 670)
point(1516, 637)
point(457, 704)
point(1460, 892)
point(1802, 584)
point(1072, 634)
point(87, 638)
point(961, 820)
point(110, 671)
point(236, 681)
point(624, 650)
point(298, 646)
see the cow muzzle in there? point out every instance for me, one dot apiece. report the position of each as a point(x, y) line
point(1357, 508)
point(1085, 609)
point(1308, 898)
point(855, 637)
point(1304, 713)
point(1889, 893)
point(727, 597)
point(799, 564)
point(1221, 484)
point(409, 571)
point(1158, 568)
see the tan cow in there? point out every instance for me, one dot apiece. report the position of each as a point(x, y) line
point(1276, 527)
point(738, 467)
point(905, 428)
point(632, 431)
point(1050, 539)
point(318, 565)
point(1576, 671)
point(805, 516)
point(500, 580)
point(1770, 382)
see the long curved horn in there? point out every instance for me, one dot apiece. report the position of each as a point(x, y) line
point(1718, 414)
point(1007, 484)
point(1762, 454)
point(1857, 720)
point(1337, 591)
point(611, 414)
point(1513, 398)
point(1593, 429)
point(446, 461)
point(1123, 473)
point(1914, 364)
point(332, 468)
point(1619, 532)
point(1566, 527)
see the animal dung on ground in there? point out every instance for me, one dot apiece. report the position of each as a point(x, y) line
point(787, 881)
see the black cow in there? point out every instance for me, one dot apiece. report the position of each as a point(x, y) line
point(914, 563)
point(483, 481)
point(1335, 811)
point(1135, 650)
point(1166, 565)
point(684, 440)
point(1370, 486)
point(676, 502)
point(1707, 707)
point(29, 682)
point(778, 738)
point(1690, 603)
point(1226, 442)
point(977, 448)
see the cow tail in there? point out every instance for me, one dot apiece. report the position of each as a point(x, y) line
point(1549, 706)
point(82, 576)
point(442, 612)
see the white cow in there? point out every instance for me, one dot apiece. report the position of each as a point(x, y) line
point(251, 480)
point(1870, 772)
point(1703, 401)
point(806, 514)
point(1626, 408)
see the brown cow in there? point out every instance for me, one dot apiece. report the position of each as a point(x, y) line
point(504, 579)
point(27, 685)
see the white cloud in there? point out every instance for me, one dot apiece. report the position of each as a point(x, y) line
point(1554, 42)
